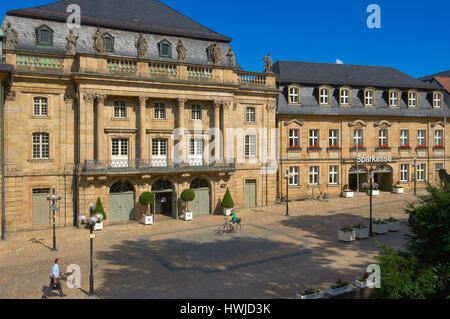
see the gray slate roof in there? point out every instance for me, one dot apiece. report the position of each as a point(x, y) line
point(149, 16)
point(440, 74)
point(346, 74)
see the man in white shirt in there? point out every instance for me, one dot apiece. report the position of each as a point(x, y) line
point(54, 280)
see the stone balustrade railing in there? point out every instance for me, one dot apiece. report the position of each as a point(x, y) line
point(96, 64)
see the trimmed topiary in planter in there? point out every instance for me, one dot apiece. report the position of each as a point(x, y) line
point(227, 203)
point(188, 196)
point(99, 208)
point(147, 199)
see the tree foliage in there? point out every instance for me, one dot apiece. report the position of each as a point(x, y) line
point(99, 208)
point(187, 195)
point(227, 201)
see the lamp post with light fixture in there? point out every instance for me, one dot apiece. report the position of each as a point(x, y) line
point(287, 191)
point(54, 199)
point(91, 221)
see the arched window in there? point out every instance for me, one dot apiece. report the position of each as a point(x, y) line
point(162, 185)
point(109, 43)
point(165, 49)
point(199, 183)
point(121, 187)
point(44, 36)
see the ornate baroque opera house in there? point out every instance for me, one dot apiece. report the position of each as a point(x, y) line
point(93, 111)
point(338, 122)
point(133, 99)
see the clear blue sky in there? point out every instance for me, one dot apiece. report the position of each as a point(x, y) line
point(414, 35)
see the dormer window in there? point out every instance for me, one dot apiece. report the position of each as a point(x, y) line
point(294, 95)
point(165, 49)
point(109, 43)
point(412, 99)
point(44, 36)
point(324, 96)
point(369, 97)
point(437, 99)
point(344, 96)
point(394, 98)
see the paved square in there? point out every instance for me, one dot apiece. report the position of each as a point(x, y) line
point(273, 257)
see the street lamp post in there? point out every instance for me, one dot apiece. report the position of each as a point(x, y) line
point(54, 199)
point(370, 187)
point(92, 220)
point(287, 191)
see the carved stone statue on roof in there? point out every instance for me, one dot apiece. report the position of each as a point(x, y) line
point(71, 45)
point(268, 64)
point(141, 46)
point(231, 58)
point(216, 53)
point(11, 37)
point(99, 42)
point(181, 50)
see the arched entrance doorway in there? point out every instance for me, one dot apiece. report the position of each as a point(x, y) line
point(383, 177)
point(163, 190)
point(201, 205)
point(355, 175)
point(121, 202)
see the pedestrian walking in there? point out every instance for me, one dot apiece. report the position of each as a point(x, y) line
point(55, 283)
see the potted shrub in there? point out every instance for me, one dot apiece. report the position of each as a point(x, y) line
point(398, 188)
point(393, 224)
point(380, 227)
point(361, 231)
point(347, 192)
point(147, 199)
point(310, 293)
point(362, 282)
point(227, 203)
point(99, 209)
point(375, 191)
point(188, 196)
point(340, 287)
point(346, 233)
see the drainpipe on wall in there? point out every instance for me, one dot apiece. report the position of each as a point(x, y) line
point(2, 159)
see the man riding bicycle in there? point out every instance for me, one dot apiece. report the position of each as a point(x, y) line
point(233, 220)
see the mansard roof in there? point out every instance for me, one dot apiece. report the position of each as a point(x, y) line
point(150, 16)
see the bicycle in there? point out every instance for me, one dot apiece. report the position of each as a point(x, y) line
point(225, 228)
point(324, 196)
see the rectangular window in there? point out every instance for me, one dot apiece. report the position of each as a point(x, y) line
point(345, 97)
point(250, 115)
point(324, 96)
point(120, 109)
point(393, 98)
point(368, 98)
point(421, 138)
point(383, 138)
point(159, 147)
point(438, 139)
point(358, 138)
point(314, 175)
point(160, 111)
point(250, 145)
point(313, 138)
point(333, 138)
point(404, 173)
point(40, 106)
point(294, 95)
point(412, 99)
point(41, 146)
point(294, 179)
point(404, 138)
point(334, 175)
point(293, 139)
point(196, 112)
point(421, 172)
point(437, 100)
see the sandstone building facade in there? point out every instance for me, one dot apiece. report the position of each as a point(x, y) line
point(96, 112)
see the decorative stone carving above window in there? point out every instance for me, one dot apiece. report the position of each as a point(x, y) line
point(357, 124)
point(383, 124)
point(438, 123)
point(294, 121)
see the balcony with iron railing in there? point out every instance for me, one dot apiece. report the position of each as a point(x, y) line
point(153, 166)
point(87, 64)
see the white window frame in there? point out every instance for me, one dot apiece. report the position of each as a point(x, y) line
point(294, 176)
point(383, 137)
point(196, 149)
point(333, 175)
point(120, 109)
point(294, 95)
point(437, 100)
point(421, 140)
point(358, 137)
point(333, 137)
point(344, 98)
point(369, 97)
point(40, 106)
point(438, 138)
point(412, 99)
point(394, 98)
point(120, 152)
point(41, 145)
point(160, 151)
point(324, 96)
point(314, 137)
point(404, 173)
point(314, 175)
point(250, 145)
point(404, 138)
point(421, 172)
point(160, 111)
point(250, 115)
point(294, 138)
point(196, 112)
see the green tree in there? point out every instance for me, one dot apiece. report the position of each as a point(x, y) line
point(99, 208)
point(147, 199)
point(188, 196)
point(227, 201)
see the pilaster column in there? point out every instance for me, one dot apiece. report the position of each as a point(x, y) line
point(218, 139)
point(141, 125)
point(183, 148)
point(99, 124)
point(86, 115)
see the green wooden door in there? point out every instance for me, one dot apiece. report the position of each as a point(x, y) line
point(250, 193)
point(121, 207)
point(41, 208)
point(201, 204)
